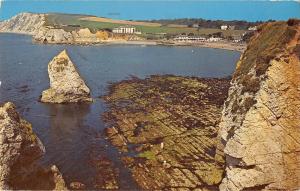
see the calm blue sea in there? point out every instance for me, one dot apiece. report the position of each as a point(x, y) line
point(154, 9)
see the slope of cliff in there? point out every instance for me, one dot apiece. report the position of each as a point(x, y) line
point(25, 23)
point(260, 124)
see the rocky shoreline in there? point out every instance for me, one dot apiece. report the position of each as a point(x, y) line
point(20, 150)
point(38, 27)
point(166, 128)
point(35, 26)
point(176, 134)
point(182, 133)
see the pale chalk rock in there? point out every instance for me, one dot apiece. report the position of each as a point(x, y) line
point(66, 85)
point(25, 23)
point(49, 35)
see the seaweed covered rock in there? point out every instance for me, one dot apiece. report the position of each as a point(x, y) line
point(261, 117)
point(20, 149)
point(170, 124)
point(66, 85)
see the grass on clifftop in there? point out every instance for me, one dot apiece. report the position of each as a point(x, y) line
point(70, 22)
point(269, 43)
point(265, 46)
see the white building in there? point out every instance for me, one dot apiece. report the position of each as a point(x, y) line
point(125, 30)
point(224, 27)
point(213, 39)
point(231, 27)
point(185, 38)
point(254, 28)
point(195, 25)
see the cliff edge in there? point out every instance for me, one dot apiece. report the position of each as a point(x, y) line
point(24, 23)
point(260, 124)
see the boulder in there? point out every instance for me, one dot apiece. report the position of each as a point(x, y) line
point(66, 85)
point(20, 150)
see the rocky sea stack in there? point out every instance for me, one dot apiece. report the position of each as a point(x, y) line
point(66, 85)
point(261, 117)
point(20, 149)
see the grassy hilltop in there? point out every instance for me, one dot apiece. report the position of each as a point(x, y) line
point(69, 22)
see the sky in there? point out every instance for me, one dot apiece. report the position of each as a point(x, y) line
point(159, 9)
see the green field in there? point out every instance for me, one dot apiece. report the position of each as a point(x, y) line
point(63, 20)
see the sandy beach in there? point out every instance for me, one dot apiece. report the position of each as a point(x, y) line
point(219, 45)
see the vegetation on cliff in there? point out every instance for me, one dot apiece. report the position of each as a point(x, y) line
point(203, 23)
point(270, 42)
point(70, 22)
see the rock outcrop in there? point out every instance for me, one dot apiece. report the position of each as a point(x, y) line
point(20, 149)
point(66, 85)
point(26, 23)
point(60, 36)
point(166, 129)
point(260, 124)
point(49, 35)
point(52, 35)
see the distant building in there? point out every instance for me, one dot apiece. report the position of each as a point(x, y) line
point(224, 27)
point(237, 38)
point(231, 27)
point(125, 30)
point(185, 38)
point(195, 25)
point(214, 39)
point(254, 28)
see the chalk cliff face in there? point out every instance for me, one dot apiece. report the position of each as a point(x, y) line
point(57, 36)
point(20, 149)
point(79, 36)
point(260, 125)
point(66, 85)
point(27, 23)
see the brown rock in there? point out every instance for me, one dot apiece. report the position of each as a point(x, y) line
point(260, 121)
point(20, 150)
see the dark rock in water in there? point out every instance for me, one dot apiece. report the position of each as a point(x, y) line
point(20, 149)
point(107, 174)
point(77, 185)
point(66, 85)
